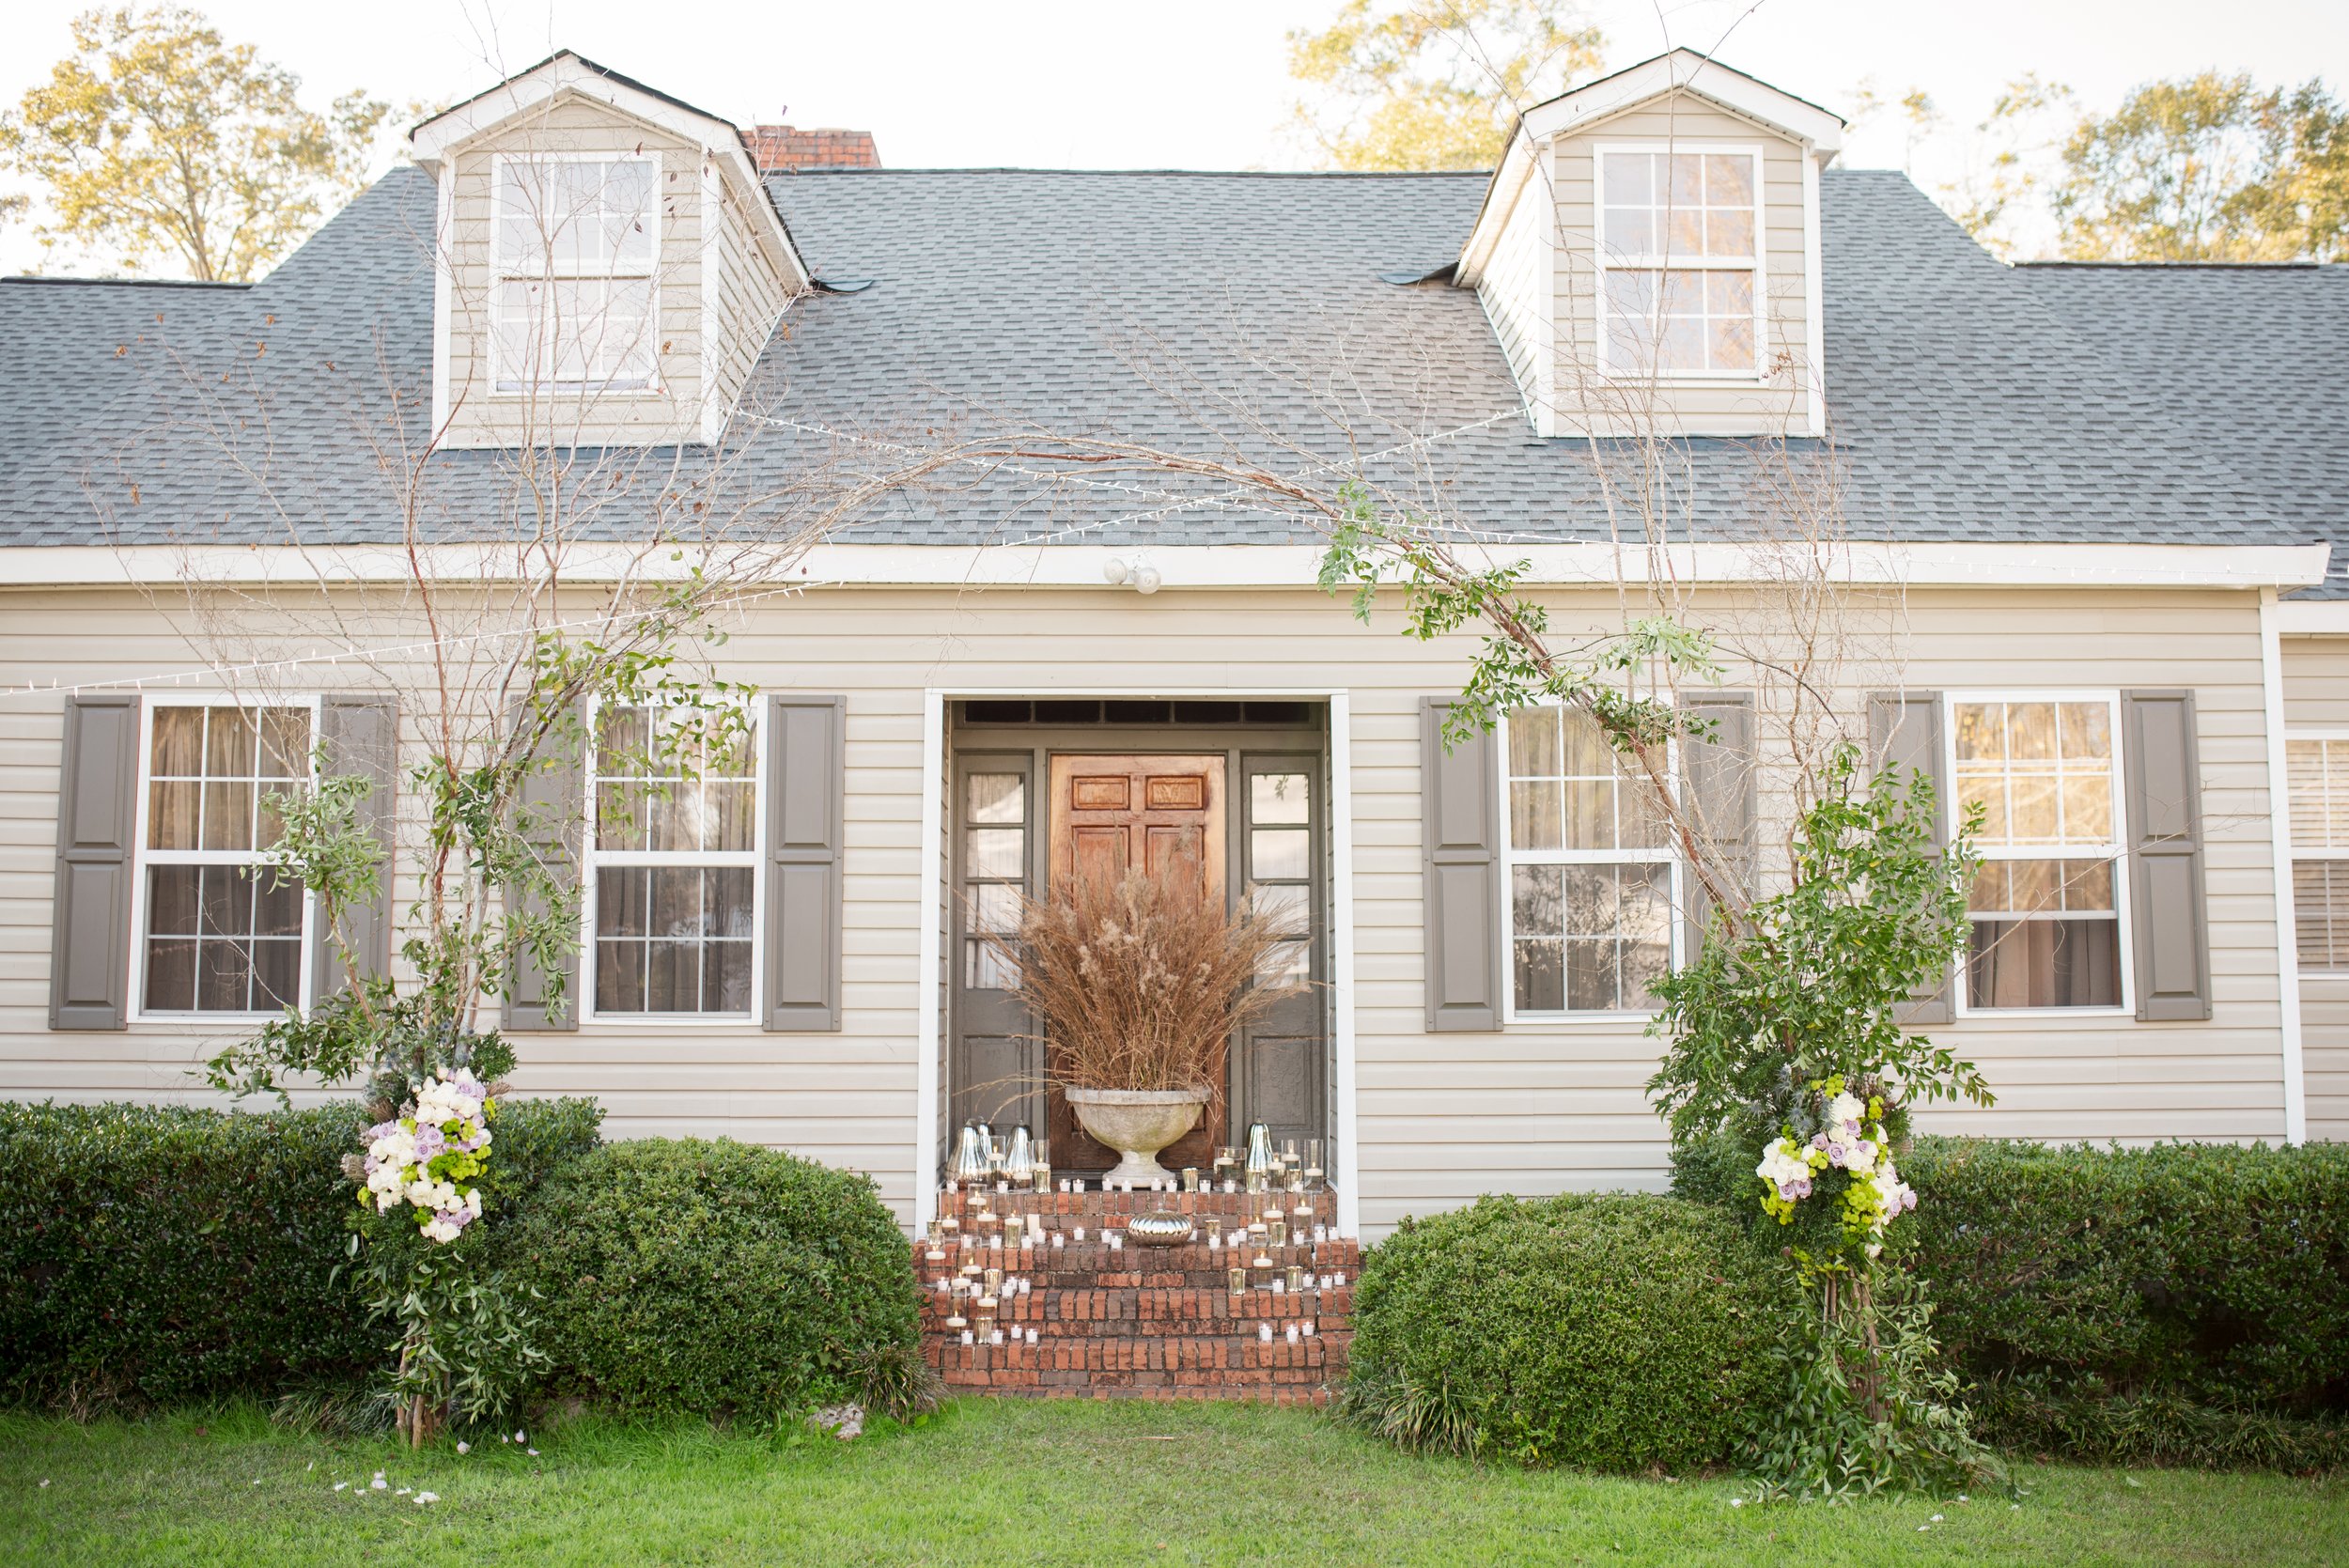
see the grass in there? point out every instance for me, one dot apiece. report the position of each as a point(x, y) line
point(1005, 1483)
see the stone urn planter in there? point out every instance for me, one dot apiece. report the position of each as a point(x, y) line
point(1137, 1123)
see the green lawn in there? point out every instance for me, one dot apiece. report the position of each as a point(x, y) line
point(1002, 1483)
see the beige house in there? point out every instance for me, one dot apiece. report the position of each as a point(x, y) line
point(2074, 522)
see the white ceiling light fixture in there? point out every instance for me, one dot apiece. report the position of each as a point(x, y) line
point(1140, 573)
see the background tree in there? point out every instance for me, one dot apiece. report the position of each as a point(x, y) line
point(2208, 168)
point(157, 141)
point(1434, 83)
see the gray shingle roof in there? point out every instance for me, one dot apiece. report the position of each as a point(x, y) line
point(1238, 317)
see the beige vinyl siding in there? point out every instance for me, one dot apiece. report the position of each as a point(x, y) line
point(1512, 291)
point(1726, 407)
point(1535, 1108)
point(2316, 697)
point(748, 295)
point(483, 416)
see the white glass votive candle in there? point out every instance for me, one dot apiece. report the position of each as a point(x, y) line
point(1214, 1241)
point(1079, 1232)
point(1032, 1336)
point(968, 1337)
point(1307, 1327)
point(1277, 1288)
point(1116, 1240)
point(1230, 1186)
point(1264, 1332)
point(1321, 1232)
point(1058, 1240)
point(1293, 1333)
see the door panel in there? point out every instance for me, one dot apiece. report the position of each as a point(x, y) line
point(1165, 814)
point(995, 1068)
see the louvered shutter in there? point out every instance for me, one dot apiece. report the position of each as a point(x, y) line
point(1460, 799)
point(1717, 773)
point(2168, 915)
point(89, 955)
point(1904, 733)
point(806, 785)
point(552, 792)
point(361, 736)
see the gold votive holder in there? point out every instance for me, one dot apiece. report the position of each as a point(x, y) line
point(1295, 1277)
point(1191, 1178)
point(1238, 1280)
point(1277, 1230)
point(994, 1281)
point(1044, 1178)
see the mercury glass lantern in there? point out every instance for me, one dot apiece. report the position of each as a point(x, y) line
point(970, 1154)
point(1019, 1156)
point(1259, 1168)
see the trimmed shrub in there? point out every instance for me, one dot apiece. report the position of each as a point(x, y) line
point(2187, 1302)
point(691, 1276)
point(1616, 1332)
point(151, 1254)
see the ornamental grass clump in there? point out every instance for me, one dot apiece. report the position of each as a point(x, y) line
point(1138, 981)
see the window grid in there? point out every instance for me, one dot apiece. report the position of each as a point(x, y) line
point(1592, 881)
point(2316, 773)
point(994, 871)
point(1280, 865)
point(575, 243)
point(215, 937)
point(1679, 260)
point(677, 808)
point(2047, 908)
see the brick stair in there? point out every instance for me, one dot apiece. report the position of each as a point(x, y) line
point(1138, 1321)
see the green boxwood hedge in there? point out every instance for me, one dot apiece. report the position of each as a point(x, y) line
point(2185, 1301)
point(1615, 1332)
point(152, 1255)
point(718, 1278)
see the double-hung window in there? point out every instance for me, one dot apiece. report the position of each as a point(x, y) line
point(217, 932)
point(1680, 261)
point(2046, 907)
point(574, 306)
point(1591, 877)
point(2317, 769)
point(673, 867)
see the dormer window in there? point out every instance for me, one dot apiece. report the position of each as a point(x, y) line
point(1680, 262)
point(574, 304)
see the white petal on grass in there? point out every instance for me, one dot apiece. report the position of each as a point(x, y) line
point(534, 1453)
point(340, 1484)
point(1937, 1518)
point(465, 1448)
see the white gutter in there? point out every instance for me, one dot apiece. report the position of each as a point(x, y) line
point(1058, 566)
point(2279, 827)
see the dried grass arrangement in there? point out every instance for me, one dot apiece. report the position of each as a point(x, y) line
point(1138, 982)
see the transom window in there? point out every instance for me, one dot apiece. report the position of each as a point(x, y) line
point(1592, 878)
point(218, 935)
point(1680, 264)
point(574, 304)
point(2046, 905)
point(674, 867)
point(2317, 771)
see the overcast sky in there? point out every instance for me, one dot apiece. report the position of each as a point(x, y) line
point(1197, 83)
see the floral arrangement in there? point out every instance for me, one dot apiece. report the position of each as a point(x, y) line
point(432, 1159)
point(1853, 1140)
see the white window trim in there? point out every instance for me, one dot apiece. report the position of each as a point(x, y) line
point(142, 858)
point(2295, 852)
point(1511, 858)
point(592, 859)
point(1602, 259)
point(653, 385)
point(2125, 957)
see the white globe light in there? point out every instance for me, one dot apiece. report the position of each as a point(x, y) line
point(1116, 568)
point(1146, 580)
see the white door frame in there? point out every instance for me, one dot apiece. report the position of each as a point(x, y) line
point(931, 972)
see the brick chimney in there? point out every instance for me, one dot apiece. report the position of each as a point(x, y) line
point(786, 147)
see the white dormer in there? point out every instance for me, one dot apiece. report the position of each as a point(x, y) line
point(1649, 255)
point(609, 265)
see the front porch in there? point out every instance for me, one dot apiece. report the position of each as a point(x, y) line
point(1042, 1294)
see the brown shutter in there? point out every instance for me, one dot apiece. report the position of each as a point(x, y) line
point(89, 952)
point(361, 736)
point(806, 785)
point(2168, 913)
point(1904, 733)
point(1460, 797)
point(1717, 773)
point(556, 785)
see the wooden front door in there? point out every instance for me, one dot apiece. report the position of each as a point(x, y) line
point(1164, 813)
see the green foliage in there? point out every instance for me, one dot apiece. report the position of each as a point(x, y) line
point(150, 1255)
point(2212, 1272)
point(1436, 86)
point(1813, 989)
point(690, 1277)
point(1617, 1333)
point(2181, 1304)
point(2208, 167)
point(154, 139)
point(1861, 1404)
point(462, 1336)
